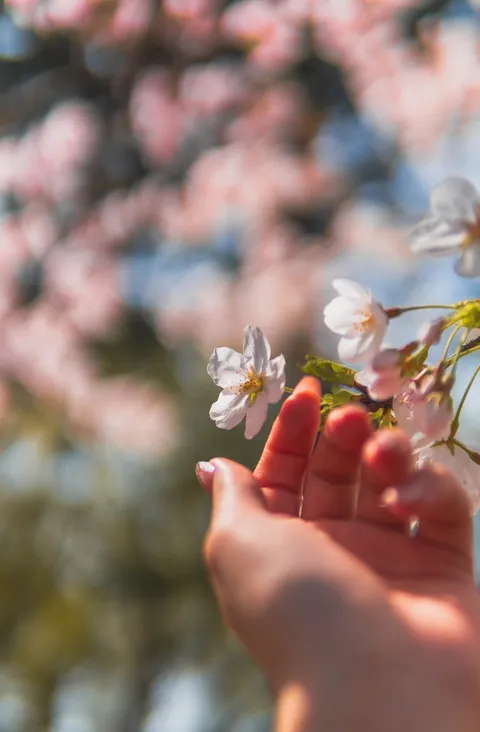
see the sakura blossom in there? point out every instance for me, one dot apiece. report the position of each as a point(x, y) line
point(170, 171)
point(424, 416)
point(453, 227)
point(383, 376)
point(250, 382)
point(459, 464)
point(356, 317)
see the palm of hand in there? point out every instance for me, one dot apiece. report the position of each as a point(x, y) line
point(344, 480)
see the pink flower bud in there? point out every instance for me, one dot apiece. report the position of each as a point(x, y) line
point(431, 333)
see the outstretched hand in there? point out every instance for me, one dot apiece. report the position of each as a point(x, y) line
point(340, 602)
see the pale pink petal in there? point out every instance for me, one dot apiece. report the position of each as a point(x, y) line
point(275, 379)
point(352, 290)
point(226, 367)
point(380, 386)
point(436, 419)
point(466, 472)
point(256, 415)
point(437, 236)
point(380, 318)
point(339, 316)
point(365, 377)
point(469, 263)
point(229, 410)
point(256, 349)
point(406, 419)
point(431, 333)
point(385, 387)
point(363, 348)
point(455, 199)
point(387, 360)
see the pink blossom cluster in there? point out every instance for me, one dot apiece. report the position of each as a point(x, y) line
point(212, 102)
point(41, 348)
point(124, 20)
point(48, 161)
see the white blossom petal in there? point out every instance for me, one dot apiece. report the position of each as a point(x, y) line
point(436, 419)
point(380, 318)
point(380, 386)
point(352, 290)
point(469, 263)
point(365, 377)
point(354, 350)
point(339, 316)
point(227, 367)
point(363, 347)
point(455, 199)
point(387, 360)
point(256, 415)
point(385, 387)
point(461, 467)
point(437, 236)
point(229, 410)
point(256, 349)
point(274, 384)
point(407, 419)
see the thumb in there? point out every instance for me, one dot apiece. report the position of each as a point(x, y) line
point(236, 493)
point(237, 501)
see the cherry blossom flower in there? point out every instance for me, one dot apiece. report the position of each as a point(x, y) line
point(250, 382)
point(459, 464)
point(425, 415)
point(383, 377)
point(356, 317)
point(453, 227)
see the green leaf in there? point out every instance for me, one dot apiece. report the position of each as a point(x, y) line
point(334, 399)
point(342, 396)
point(329, 371)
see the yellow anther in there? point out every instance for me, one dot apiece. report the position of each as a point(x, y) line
point(363, 321)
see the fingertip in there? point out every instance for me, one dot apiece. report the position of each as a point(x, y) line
point(348, 427)
point(299, 417)
point(225, 469)
point(308, 384)
point(388, 456)
point(204, 471)
point(234, 486)
point(306, 395)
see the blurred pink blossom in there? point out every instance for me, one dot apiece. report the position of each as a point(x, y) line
point(151, 101)
point(86, 289)
point(134, 417)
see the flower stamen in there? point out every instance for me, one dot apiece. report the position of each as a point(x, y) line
point(363, 321)
point(253, 385)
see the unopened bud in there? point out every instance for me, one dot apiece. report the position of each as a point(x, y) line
point(393, 313)
point(431, 333)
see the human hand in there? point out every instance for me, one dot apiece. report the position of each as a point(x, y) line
point(341, 604)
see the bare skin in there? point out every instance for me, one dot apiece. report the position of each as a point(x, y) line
point(356, 625)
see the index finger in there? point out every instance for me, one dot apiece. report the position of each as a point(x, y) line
point(283, 464)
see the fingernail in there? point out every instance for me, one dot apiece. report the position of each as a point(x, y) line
point(204, 472)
